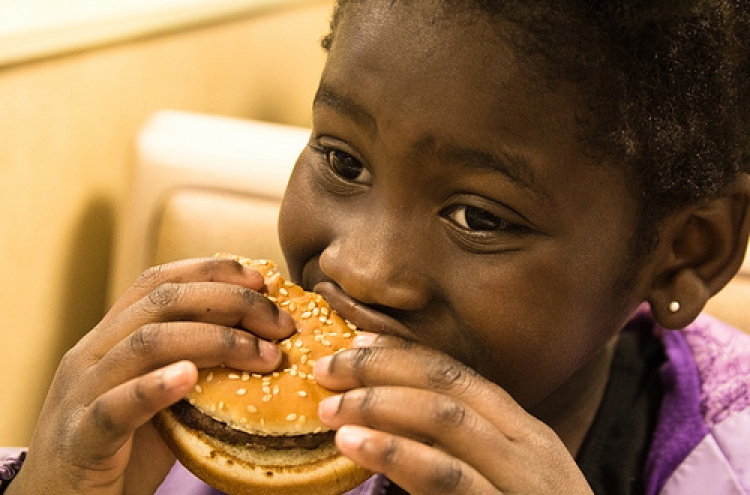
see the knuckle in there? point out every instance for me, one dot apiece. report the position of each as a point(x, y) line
point(448, 412)
point(164, 296)
point(362, 358)
point(145, 340)
point(102, 418)
point(229, 338)
point(367, 404)
point(151, 277)
point(252, 298)
point(446, 476)
point(447, 374)
point(388, 453)
point(212, 267)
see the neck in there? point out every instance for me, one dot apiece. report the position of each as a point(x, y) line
point(571, 409)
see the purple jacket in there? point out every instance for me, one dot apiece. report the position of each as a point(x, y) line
point(702, 440)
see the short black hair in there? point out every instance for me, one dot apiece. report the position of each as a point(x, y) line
point(667, 83)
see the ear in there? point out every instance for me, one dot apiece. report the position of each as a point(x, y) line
point(700, 250)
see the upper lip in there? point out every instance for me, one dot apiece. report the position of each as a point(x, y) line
point(364, 317)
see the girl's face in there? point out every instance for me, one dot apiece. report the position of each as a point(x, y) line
point(446, 195)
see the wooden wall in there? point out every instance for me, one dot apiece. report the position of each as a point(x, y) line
point(67, 126)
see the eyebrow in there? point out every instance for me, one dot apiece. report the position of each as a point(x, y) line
point(358, 113)
point(516, 168)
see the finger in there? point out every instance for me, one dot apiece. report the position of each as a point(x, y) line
point(440, 421)
point(209, 302)
point(109, 421)
point(413, 466)
point(415, 366)
point(192, 270)
point(206, 345)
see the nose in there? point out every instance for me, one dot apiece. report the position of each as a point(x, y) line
point(377, 266)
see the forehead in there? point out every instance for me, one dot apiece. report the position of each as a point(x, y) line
point(447, 76)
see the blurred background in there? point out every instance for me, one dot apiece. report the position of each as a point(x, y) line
point(78, 78)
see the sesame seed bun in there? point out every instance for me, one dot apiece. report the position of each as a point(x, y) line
point(255, 433)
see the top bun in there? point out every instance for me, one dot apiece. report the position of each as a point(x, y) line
point(284, 402)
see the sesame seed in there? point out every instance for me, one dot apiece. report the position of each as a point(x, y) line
point(266, 398)
point(198, 389)
point(262, 422)
point(210, 376)
point(304, 358)
point(266, 390)
point(191, 401)
point(322, 319)
point(245, 377)
point(241, 391)
point(283, 291)
point(276, 390)
point(221, 405)
point(301, 393)
point(351, 325)
point(347, 335)
point(311, 305)
point(326, 343)
point(288, 283)
point(324, 311)
point(291, 417)
point(305, 315)
point(292, 307)
point(298, 343)
point(316, 312)
point(285, 303)
point(276, 374)
point(302, 419)
point(233, 376)
point(302, 374)
point(257, 375)
point(293, 372)
point(252, 409)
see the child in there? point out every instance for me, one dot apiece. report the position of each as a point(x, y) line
point(494, 190)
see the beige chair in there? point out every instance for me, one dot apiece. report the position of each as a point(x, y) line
point(206, 184)
point(203, 184)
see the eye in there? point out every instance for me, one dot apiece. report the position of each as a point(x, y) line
point(347, 167)
point(476, 219)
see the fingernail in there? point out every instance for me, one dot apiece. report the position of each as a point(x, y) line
point(286, 322)
point(329, 408)
point(322, 366)
point(174, 375)
point(364, 339)
point(350, 437)
point(269, 352)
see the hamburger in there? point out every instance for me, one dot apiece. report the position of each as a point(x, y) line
point(250, 433)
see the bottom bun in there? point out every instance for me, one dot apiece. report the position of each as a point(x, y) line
point(236, 471)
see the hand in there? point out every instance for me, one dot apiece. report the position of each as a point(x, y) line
point(94, 434)
point(432, 425)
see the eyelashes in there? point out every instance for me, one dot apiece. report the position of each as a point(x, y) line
point(347, 175)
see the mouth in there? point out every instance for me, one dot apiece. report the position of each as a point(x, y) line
point(364, 317)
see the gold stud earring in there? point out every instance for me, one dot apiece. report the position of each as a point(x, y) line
point(674, 307)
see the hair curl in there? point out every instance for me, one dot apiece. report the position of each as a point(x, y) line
point(667, 83)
